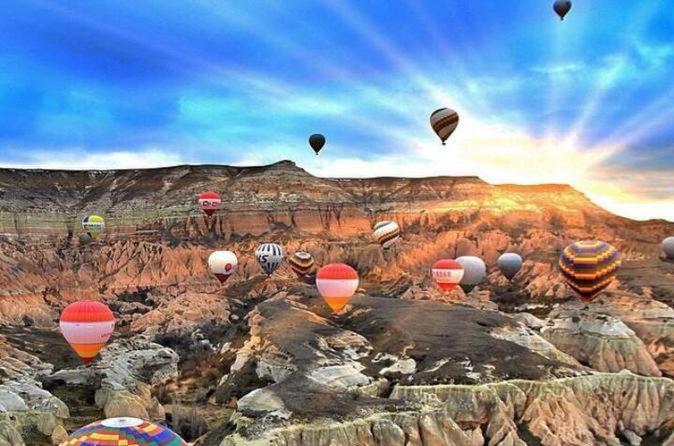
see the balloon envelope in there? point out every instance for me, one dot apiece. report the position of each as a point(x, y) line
point(589, 266)
point(509, 264)
point(269, 256)
point(222, 264)
point(337, 283)
point(562, 8)
point(125, 431)
point(474, 272)
point(668, 247)
point(87, 325)
point(317, 141)
point(386, 233)
point(447, 273)
point(209, 202)
point(93, 225)
point(301, 263)
point(444, 121)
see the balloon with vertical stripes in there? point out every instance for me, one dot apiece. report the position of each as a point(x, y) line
point(269, 256)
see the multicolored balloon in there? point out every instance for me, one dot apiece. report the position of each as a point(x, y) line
point(222, 264)
point(474, 271)
point(444, 121)
point(301, 263)
point(562, 8)
point(386, 233)
point(589, 266)
point(94, 225)
point(209, 202)
point(447, 273)
point(668, 247)
point(317, 141)
point(509, 264)
point(125, 431)
point(269, 256)
point(337, 283)
point(87, 325)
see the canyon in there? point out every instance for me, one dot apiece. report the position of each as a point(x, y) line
point(262, 360)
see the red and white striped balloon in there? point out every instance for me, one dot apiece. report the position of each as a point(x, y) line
point(447, 273)
point(87, 325)
point(337, 283)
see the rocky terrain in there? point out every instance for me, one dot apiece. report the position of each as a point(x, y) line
point(262, 361)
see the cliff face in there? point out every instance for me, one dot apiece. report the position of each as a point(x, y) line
point(263, 360)
point(611, 409)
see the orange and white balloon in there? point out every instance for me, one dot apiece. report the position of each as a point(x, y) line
point(447, 273)
point(87, 325)
point(223, 264)
point(209, 202)
point(337, 283)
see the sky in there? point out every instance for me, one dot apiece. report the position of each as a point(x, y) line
point(587, 101)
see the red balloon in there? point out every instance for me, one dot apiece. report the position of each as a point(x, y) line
point(209, 202)
point(87, 325)
point(337, 283)
point(447, 273)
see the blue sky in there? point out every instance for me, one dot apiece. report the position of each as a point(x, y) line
point(588, 101)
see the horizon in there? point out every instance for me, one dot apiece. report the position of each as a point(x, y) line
point(541, 101)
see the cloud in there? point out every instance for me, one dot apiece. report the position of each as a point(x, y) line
point(79, 159)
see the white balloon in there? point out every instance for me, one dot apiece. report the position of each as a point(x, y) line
point(223, 264)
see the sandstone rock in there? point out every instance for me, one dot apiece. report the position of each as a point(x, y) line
point(59, 435)
point(602, 342)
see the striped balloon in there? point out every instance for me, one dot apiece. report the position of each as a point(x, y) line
point(589, 267)
point(302, 263)
point(93, 225)
point(447, 273)
point(124, 432)
point(209, 202)
point(386, 233)
point(337, 283)
point(87, 325)
point(269, 256)
point(444, 121)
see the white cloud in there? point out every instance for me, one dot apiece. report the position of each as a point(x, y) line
point(78, 159)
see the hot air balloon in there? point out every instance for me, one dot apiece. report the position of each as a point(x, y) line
point(509, 264)
point(337, 283)
point(386, 233)
point(87, 325)
point(447, 273)
point(93, 225)
point(474, 271)
point(668, 247)
point(562, 8)
point(125, 431)
point(302, 263)
point(444, 121)
point(309, 279)
point(222, 264)
point(269, 256)
point(589, 267)
point(317, 141)
point(209, 202)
